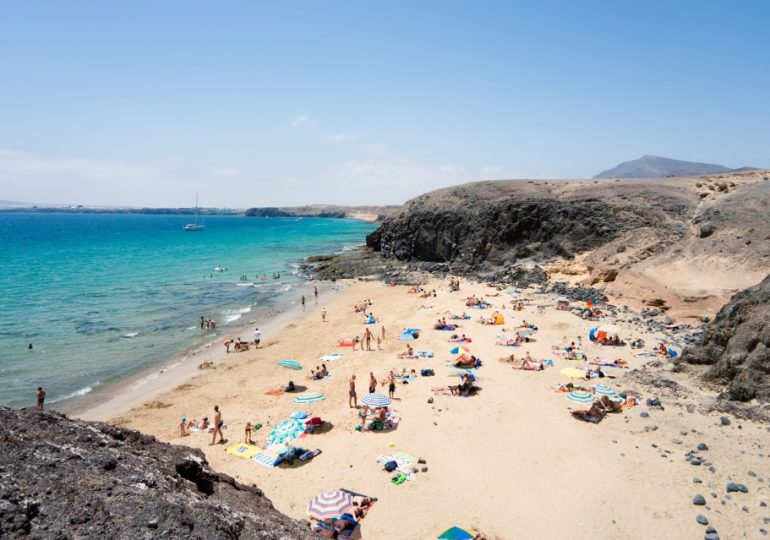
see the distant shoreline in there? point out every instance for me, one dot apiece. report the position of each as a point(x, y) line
point(360, 214)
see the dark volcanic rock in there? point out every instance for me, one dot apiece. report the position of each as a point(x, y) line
point(736, 344)
point(62, 478)
point(504, 222)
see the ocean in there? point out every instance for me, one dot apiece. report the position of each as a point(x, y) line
point(102, 296)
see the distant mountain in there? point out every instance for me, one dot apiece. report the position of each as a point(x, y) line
point(660, 167)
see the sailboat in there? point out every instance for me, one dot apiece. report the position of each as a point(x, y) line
point(195, 226)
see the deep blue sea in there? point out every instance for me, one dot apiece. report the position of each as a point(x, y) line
point(100, 296)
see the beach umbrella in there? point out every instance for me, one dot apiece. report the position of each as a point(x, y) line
point(290, 364)
point(616, 398)
point(286, 430)
point(602, 389)
point(610, 329)
point(457, 533)
point(581, 397)
point(376, 400)
point(573, 373)
point(330, 504)
point(459, 350)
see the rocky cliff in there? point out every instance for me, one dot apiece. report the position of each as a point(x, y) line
point(62, 478)
point(673, 241)
point(736, 345)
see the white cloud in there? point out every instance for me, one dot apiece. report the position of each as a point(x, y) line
point(225, 172)
point(344, 136)
point(302, 119)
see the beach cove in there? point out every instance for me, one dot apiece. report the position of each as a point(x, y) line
point(509, 462)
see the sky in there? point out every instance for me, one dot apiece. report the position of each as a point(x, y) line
point(285, 103)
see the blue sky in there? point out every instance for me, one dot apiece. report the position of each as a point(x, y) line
point(255, 104)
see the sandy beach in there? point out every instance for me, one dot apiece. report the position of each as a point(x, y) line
point(510, 462)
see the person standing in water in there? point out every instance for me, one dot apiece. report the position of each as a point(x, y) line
point(40, 397)
point(218, 423)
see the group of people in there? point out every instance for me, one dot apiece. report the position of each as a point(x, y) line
point(319, 372)
point(208, 324)
point(186, 426)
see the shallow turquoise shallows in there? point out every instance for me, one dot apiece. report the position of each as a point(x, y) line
point(100, 296)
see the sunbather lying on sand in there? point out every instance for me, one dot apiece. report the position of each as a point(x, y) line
point(460, 339)
point(598, 410)
point(569, 387)
point(465, 361)
point(408, 353)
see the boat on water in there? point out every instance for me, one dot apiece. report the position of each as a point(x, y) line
point(195, 226)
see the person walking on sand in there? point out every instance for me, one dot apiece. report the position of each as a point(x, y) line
point(315, 292)
point(40, 397)
point(257, 337)
point(227, 345)
point(372, 383)
point(368, 339)
point(352, 397)
point(303, 302)
point(383, 332)
point(323, 314)
point(218, 423)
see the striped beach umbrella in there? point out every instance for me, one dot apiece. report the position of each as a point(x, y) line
point(603, 389)
point(616, 398)
point(459, 350)
point(457, 533)
point(573, 373)
point(330, 504)
point(309, 398)
point(376, 400)
point(286, 430)
point(290, 364)
point(581, 397)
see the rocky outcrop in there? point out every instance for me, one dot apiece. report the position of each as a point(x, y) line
point(505, 222)
point(736, 344)
point(62, 478)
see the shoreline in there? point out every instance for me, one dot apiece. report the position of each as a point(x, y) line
point(143, 386)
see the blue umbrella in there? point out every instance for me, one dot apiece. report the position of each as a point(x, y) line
point(286, 430)
point(581, 397)
point(376, 400)
point(602, 389)
point(457, 533)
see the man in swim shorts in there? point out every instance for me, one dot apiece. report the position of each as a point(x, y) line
point(352, 397)
point(257, 337)
point(40, 397)
point(372, 383)
point(218, 423)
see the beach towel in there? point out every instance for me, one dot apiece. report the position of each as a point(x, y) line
point(405, 377)
point(290, 364)
point(246, 451)
point(424, 354)
point(345, 343)
point(276, 392)
point(310, 454)
point(331, 357)
point(269, 457)
point(309, 398)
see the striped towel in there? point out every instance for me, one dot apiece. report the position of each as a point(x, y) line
point(309, 398)
point(267, 459)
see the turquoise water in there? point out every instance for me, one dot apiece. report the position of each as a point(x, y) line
point(103, 295)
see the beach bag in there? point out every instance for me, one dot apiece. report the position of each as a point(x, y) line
point(391, 466)
point(427, 372)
